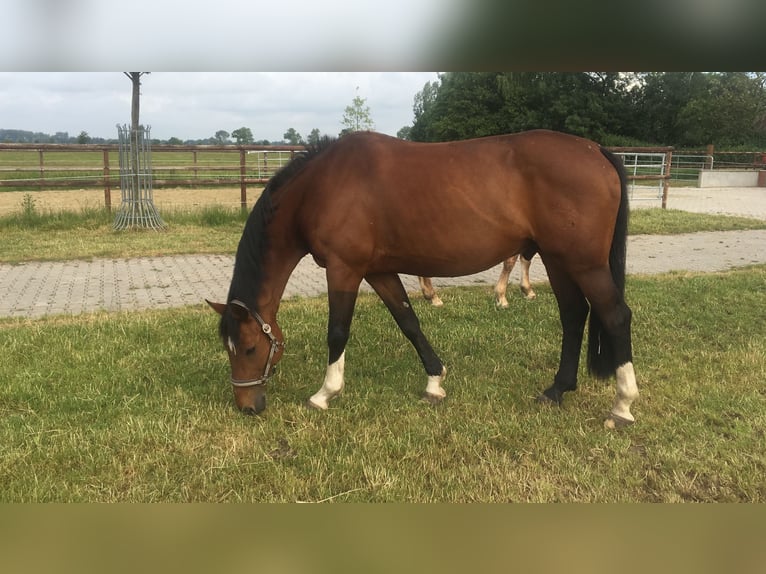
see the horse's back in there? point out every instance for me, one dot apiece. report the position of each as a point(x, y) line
point(457, 207)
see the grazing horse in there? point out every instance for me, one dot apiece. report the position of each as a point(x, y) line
point(430, 294)
point(369, 206)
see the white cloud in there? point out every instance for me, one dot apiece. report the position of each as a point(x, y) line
point(192, 105)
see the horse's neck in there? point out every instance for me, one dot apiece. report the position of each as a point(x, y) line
point(278, 265)
point(268, 252)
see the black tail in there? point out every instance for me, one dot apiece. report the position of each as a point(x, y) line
point(601, 356)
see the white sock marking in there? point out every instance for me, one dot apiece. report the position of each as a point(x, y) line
point(333, 384)
point(434, 385)
point(627, 391)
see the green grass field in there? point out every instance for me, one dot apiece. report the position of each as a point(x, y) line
point(136, 406)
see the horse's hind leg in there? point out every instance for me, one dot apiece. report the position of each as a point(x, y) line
point(389, 288)
point(502, 282)
point(524, 284)
point(610, 347)
point(429, 293)
point(573, 310)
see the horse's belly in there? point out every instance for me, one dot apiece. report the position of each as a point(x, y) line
point(452, 262)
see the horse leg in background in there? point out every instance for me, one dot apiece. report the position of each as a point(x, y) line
point(429, 293)
point(524, 284)
point(610, 348)
point(389, 288)
point(502, 282)
point(573, 310)
point(343, 288)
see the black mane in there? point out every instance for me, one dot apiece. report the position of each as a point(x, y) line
point(248, 269)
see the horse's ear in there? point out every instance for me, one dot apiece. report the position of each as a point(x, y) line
point(239, 310)
point(219, 308)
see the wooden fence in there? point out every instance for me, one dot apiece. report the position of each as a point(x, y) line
point(68, 166)
point(78, 166)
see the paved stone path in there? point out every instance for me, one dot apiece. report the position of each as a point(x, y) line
point(36, 289)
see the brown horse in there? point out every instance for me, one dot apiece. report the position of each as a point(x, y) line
point(501, 287)
point(369, 206)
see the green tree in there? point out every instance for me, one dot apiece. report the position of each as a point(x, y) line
point(474, 104)
point(175, 141)
point(692, 109)
point(422, 108)
point(83, 138)
point(314, 137)
point(661, 96)
point(357, 116)
point(242, 136)
point(222, 137)
point(292, 137)
point(729, 112)
point(404, 132)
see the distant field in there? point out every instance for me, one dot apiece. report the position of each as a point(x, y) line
point(20, 169)
point(80, 199)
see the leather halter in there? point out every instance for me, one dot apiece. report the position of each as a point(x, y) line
point(275, 344)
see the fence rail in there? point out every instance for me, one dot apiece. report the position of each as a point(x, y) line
point(67, 166)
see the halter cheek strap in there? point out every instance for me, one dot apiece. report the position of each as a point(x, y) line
point(275, 344)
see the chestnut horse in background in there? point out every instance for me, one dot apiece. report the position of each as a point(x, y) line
point(369, 206)
point(430, 294)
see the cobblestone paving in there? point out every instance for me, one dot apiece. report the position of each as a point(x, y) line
point(36, 289)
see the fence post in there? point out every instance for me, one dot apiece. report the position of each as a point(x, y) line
point(666, 180)
point(42, 170)
point(196, 168)
point(709, 159)
point(242, 184)
point(107, 183)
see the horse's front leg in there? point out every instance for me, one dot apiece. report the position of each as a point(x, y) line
point(342, 290)
point(389, 288)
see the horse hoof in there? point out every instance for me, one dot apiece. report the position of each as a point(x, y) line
point(614, 421)
point(530, 296)
point(543, 399)
point(432, 399)
point(436, 302)
point(315, 406)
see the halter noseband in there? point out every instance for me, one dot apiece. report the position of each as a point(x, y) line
point(266, 328)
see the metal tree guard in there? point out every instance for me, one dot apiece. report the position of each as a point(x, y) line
point(137, 207)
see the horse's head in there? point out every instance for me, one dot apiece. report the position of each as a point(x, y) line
point(254, 348)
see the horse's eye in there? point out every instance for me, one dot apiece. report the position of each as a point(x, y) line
point(250, 351)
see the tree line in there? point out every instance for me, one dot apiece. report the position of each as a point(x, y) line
point(683, 109)
point(356, 116)
point(239, 136)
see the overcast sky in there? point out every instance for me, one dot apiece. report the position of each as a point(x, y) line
point(195, 105)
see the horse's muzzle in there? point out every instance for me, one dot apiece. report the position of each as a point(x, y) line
point(251, 401)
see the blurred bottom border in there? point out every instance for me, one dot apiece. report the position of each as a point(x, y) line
point(382, 538)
